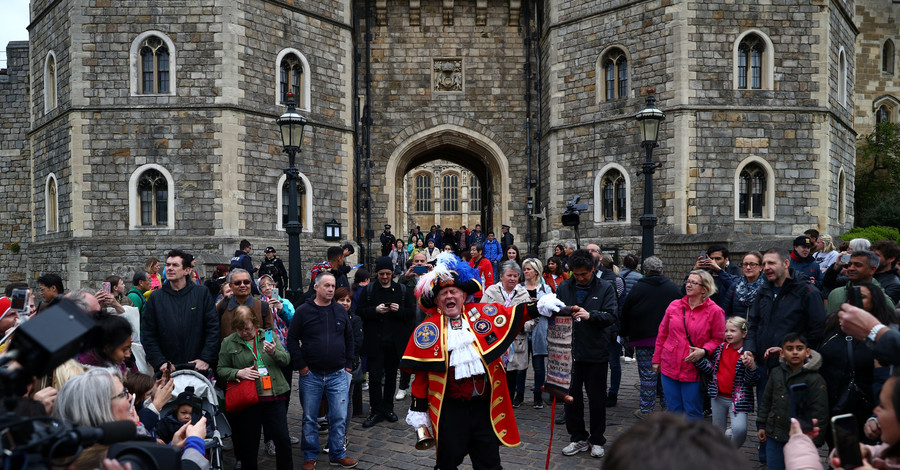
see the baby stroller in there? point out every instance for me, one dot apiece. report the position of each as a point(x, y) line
point(217, 426)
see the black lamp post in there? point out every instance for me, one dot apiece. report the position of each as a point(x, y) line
point(291, 125)
point(649, 120)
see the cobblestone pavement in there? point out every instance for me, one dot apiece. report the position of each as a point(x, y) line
point(390, 445)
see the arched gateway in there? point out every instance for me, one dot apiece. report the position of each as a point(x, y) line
point(459, 145)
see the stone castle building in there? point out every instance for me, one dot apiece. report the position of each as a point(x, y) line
point(133, 127)
point(441, 193)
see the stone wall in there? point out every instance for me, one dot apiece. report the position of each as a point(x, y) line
point(877, 23)
point(15, 223)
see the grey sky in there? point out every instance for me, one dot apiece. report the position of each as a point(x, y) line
point(13, 24)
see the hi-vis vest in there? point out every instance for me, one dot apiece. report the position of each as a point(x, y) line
point(495, 327)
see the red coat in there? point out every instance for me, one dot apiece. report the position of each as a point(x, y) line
point(548, 278)
point(486, 269)
point(495, 327)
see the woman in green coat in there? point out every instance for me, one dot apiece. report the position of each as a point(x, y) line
point(246, 355)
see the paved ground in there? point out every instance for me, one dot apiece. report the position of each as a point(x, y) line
point(390, 445)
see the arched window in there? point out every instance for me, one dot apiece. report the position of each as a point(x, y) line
point(151, 199)
point(887, 57)
point(304, 203)
point(152, 64)
point(50, 88)
point(423, 192)
point(842, 77)
point(882, 114)
point(474, 194)
point(750, 58)
point(615, 196)
point(51, 204)
point(611, 195)
point(614, 65)
point(842, 197)
point(292, 76)
point(754, 61)
point(451, 193)
point(153, 192)
point(752, 196)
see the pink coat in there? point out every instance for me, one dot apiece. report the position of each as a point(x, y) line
point(706, 325)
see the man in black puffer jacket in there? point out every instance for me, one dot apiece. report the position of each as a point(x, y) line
point(593, 303)
point(642, 312)
point(179, 324)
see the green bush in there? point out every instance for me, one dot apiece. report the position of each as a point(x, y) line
point(873, 234)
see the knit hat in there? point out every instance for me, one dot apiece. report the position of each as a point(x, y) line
point(449, 271)
point(187, 397)
point(383, 262)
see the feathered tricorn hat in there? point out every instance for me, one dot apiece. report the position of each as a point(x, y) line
point(449, 271)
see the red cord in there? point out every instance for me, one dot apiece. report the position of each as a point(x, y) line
point(552, 423)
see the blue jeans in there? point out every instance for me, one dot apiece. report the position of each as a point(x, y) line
point(334, 386)
point(683, 397)
point(540, 372)
point(615, 366)
point(774, 455)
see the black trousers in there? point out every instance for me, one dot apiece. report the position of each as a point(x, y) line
point(383, 362)
point(246, 426)
point(465, 428)
point(592, 377)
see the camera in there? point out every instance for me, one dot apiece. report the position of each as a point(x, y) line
point(572, 216)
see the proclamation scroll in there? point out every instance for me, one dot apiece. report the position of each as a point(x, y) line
point(559, 358)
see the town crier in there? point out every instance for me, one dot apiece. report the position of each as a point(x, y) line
point(459, 392)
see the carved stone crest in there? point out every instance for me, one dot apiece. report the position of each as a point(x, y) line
point(448, 75)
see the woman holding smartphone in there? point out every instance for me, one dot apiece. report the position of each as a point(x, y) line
point(247, 354)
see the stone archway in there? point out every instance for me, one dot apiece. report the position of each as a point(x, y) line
point(465, 147)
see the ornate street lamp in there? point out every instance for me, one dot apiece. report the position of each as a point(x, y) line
point(292, 125)
point(649, 120)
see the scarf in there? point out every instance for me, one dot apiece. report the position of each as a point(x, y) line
point(746, 291)
point(463, 355)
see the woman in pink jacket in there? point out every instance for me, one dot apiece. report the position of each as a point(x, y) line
point(692, 327)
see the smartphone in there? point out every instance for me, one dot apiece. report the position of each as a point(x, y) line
point(703, 255)
point(846, 442)
point(18, 299)
point(845, 258)
point(420, 269)
point(800, 407)
point(106, 287)
point(269, 336)
point(274, 293)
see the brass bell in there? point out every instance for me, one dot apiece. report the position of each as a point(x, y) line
point(424, 439)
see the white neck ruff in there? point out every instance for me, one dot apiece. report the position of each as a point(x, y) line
point(463, 355)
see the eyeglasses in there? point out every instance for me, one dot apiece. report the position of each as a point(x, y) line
point(750, 265)
point(693, 283)
point(124, 394)
point(245, 282)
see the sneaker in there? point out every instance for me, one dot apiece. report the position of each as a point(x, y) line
point(294, 440)
point(270, 448)
point(365, 386)
point(576, 447)
point(561, 419)
point(628, 359)
point(728, 433)
point(640, 414)
point(707, 413)
point(346, 443)
point(611, 400)
point(323, 425)
point(345, 462)
point(597, 451)
point(401, 394)
point(538, 405)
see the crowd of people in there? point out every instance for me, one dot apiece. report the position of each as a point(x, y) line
point(448, 320)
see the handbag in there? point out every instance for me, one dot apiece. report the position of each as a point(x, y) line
point(850, 399)
point(240, 395)
point(704, 377)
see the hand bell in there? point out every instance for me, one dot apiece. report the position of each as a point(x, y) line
point(424, 439)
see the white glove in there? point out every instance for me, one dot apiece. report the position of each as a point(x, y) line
point(417, 419)
point(549, 304)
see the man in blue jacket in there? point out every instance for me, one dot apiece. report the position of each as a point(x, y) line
point(320, 340)
point(493, 251)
